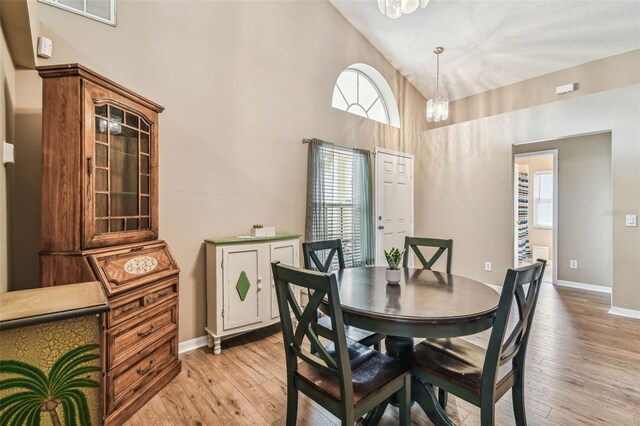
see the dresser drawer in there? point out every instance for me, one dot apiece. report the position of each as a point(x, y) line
point(129, 338)
point(132, 375)
point(126, 268)
point(134, 305)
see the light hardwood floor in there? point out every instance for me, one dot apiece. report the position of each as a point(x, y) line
point(583, 368)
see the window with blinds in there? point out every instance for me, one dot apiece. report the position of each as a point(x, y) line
point(338, 200)
point(543, 200)
point(100, 10)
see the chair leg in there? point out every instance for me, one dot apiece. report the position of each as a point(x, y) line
point(292, 405)
point(404, 402)
point(488, 415)
point(443, 397)
point(519, 412)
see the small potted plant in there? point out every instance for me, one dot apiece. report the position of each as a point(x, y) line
point(394, 257)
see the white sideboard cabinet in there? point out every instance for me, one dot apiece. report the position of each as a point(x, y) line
point(240, 288)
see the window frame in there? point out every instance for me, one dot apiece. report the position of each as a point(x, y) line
point(537, 198)
point(382, 88)
point(112, 8)
point(380, 97)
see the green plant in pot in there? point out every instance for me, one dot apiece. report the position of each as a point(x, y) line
point(394, 258)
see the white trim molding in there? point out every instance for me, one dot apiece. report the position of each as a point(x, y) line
point(192, 344)
point(623, 312)
point(497, 288)
point(583, 286)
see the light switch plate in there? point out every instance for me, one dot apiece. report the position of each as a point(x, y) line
point(630, 220)
point(7, 153)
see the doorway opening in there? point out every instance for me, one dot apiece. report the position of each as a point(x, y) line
point(536, 210)
point(580, 249)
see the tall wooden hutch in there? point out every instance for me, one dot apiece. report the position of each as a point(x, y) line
point(100, 222)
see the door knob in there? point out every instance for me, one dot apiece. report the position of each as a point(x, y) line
point(380, 226)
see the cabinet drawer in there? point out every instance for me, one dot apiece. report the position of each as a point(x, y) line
point(137, 303)
point(125, 341)
point(126, 268)
point(127, 379)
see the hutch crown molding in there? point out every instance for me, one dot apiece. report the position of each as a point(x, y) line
point(100, 222)
point(240, 289)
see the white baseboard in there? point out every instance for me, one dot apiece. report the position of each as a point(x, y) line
point(582, 286)
point(192, 344)
point(497, 288)
point(623, 312)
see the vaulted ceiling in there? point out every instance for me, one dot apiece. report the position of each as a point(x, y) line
point(490, 44)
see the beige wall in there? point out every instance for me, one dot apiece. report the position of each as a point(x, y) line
point(584, 206)
point(7, 107)
point(242, 83)
point(592, 77)
point(537, 236)
point(468, 169)
point(26, 183)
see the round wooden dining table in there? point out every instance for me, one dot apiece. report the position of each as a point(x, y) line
point(425, 304)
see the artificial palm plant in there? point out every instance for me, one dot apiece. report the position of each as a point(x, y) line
point(44, 394)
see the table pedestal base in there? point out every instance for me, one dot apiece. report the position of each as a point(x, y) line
point(421, 392)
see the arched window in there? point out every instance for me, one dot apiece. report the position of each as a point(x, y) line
point(362, 90)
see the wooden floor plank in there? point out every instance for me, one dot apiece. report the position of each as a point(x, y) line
point(583, 368)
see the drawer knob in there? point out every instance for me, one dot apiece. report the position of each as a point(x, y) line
point(163, 293)
point(259, 286)
point(149, 299)
point(148, 332)
point(128, 308)
point(145, 370)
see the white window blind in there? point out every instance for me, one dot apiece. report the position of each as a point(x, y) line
point(100, 10)
point(543, 199)
point(339, 201)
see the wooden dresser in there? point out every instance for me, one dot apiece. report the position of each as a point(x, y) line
point(100, 222)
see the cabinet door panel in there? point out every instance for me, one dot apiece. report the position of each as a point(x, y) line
point(242, 272)
point(120, 176)
point(287, 253)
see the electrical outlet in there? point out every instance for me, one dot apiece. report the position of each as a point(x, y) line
point(573, 264)
point(487, 266)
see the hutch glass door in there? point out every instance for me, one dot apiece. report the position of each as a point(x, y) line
point(122, 170)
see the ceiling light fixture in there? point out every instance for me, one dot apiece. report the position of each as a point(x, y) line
point(438, 107)
point(396, 8)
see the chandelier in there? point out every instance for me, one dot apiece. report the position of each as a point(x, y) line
point(438, 107)
point(396, 8)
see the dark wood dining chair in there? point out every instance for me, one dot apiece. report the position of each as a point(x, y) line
point(331, 248)
point(481, 376)
point(349, 380)
point(414, 243)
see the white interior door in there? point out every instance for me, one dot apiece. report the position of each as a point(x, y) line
point(394, 200)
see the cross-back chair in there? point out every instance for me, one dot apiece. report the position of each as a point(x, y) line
point(414, 243)
point(312, 253)
point(481, 376)
point(348, 380)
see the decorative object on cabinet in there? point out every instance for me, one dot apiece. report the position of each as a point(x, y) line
point(100, 222)
point(236, 270)
point(51, 364)
point(263, 231)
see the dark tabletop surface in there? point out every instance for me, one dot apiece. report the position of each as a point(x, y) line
point(423, 296)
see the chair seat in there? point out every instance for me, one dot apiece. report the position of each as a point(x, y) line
point(452, 360)
point(359, 335)
point(370, 370)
